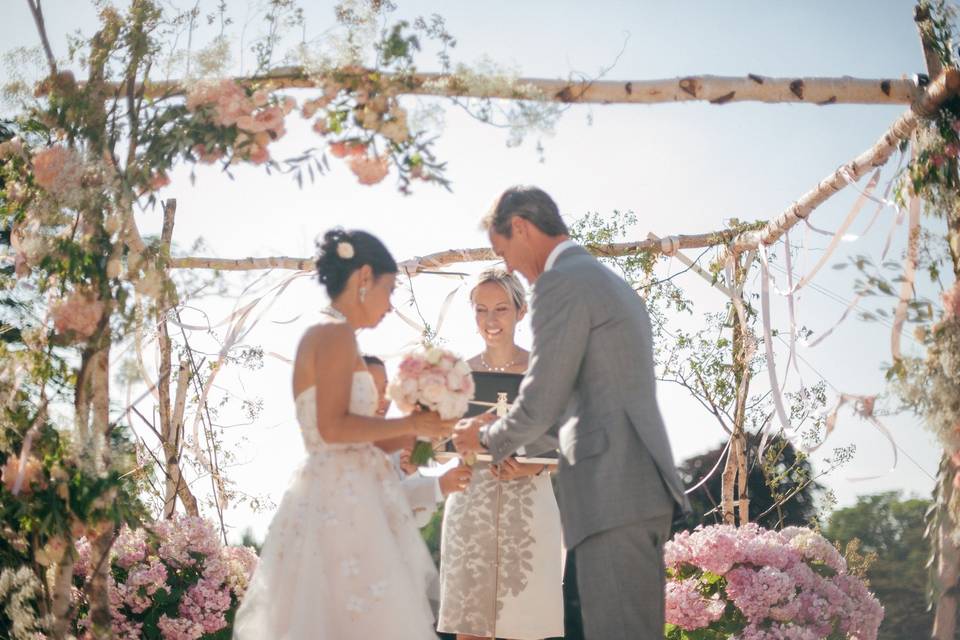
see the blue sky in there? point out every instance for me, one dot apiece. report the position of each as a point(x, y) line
point(682, 168)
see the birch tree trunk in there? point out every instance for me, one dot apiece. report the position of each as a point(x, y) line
point(60, 598)
point(733, 492)
point(97, 588)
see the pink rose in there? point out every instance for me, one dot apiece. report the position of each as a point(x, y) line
point(432, 388)
point(455, 381)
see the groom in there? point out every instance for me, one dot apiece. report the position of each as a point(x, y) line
point(591, 376)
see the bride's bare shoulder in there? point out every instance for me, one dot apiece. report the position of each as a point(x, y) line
point(327, 335)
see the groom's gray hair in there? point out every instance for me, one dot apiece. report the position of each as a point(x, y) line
point(531, 204)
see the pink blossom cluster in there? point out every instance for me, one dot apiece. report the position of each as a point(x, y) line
point(688, 608)
point(790, 584)
point(950, 150)
point(435, 378)
point(369, 169)
point(258, 121)
point(184, 553)
point(58, 169)
point(951, 302)
point(79, 313)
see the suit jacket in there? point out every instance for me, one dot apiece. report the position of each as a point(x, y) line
point(591, 382)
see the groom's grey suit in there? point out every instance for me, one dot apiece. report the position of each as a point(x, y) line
point(591, 382)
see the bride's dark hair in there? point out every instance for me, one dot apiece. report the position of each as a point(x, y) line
point(343, 252)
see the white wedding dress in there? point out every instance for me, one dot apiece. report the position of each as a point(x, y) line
point(342, 559)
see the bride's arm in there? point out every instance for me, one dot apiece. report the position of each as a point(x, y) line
point(334, 361)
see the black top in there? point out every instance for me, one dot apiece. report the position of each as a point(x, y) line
point(489, 385)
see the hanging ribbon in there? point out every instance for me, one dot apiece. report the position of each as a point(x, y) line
point(444, 308)
point(864, 408)
point(885, 201)
point(768, 337)
point(28, 439)
point(909, 272)
point(707, 477)
point(846, 312)
point(839, 235)
point(792, 358)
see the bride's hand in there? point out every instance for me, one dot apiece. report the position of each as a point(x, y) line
point(429, 424)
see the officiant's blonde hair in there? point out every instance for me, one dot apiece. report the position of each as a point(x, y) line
point(505, 279)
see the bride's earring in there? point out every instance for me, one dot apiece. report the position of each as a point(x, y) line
point(363, 294)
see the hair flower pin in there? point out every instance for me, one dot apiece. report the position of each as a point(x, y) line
point(345, 250)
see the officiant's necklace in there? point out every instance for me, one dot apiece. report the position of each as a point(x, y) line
point(502, 369)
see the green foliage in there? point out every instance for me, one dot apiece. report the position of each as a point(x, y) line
point(892, 527)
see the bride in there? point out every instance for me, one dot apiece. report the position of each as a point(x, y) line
point(342, 558)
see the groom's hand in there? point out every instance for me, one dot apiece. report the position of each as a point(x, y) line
point(466, 435)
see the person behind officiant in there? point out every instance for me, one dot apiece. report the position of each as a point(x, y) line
point(424, 493)
point(500, 554)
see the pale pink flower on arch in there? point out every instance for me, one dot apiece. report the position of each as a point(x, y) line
point(58, 170)
point(369, 169)
point(79, 313)
point(951, 301)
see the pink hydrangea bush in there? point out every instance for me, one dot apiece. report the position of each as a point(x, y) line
point(173, 580)
point(750, 583)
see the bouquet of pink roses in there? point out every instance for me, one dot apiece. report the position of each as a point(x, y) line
point(751, 583)
point(433, 379)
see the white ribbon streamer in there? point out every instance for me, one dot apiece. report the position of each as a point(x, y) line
point(909, 272)
point(863, 407)
point(768, 337)
point(838, 236)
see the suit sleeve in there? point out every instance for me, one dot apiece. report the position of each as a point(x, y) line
point(560, 319)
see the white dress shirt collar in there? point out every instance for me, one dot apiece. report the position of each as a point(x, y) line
point(557, 250)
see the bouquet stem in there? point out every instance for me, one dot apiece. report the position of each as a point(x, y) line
point(422, 452)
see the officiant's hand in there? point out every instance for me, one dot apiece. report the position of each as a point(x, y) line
point(510, 469)
point(456, 479)
point(466, 436)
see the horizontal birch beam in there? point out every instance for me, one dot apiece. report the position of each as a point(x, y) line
point(703, 88)
point(944, 87)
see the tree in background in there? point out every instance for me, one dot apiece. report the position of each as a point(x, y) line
point(783, 489)
point(892, 528)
